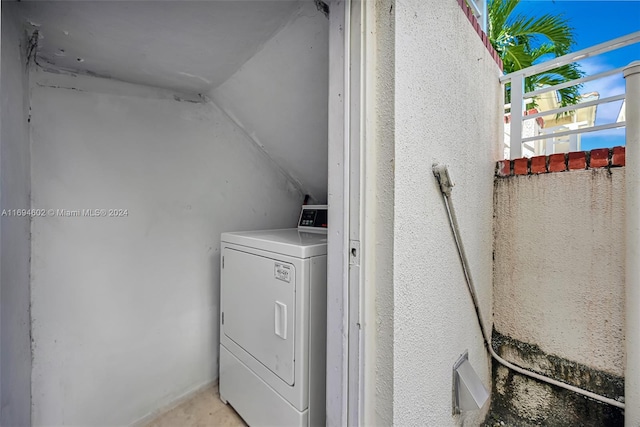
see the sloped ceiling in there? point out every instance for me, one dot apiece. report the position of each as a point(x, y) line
point(280, 97)
point(265, 62)
point(188, 46)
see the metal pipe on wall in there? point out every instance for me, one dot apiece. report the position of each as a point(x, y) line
point(632, 279)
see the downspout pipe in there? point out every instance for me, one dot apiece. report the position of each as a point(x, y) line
point(632, 269)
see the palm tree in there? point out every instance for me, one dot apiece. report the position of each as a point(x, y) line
point(522, 41)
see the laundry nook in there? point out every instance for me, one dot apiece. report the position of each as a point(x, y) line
point(142, 132)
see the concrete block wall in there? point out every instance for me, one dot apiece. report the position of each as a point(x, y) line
point(559, 286)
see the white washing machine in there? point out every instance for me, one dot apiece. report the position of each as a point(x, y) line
point(273, 322)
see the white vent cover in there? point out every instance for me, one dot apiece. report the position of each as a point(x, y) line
point(468, 391)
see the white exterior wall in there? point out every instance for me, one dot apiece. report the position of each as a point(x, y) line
point(279, 97)
point(378, 188)
point(560, 264)
point(15, 339)
point(125, 310)
point(443, 75)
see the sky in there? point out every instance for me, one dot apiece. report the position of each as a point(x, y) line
point(594, 22)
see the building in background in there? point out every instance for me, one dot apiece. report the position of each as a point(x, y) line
point(550, 124)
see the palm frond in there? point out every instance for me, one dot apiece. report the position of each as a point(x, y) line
point(516, 57)
point(522, 41)
point(498, 12)
point(554, 29)
point(565, 73)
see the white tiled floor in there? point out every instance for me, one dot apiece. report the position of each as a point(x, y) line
point(205, 409)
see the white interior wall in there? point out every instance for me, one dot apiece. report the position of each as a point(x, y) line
point(125, 310)
point(279, 97)
point(443, 116)
point(15, 340)
point(567, 293)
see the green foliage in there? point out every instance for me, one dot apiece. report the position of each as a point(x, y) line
point(522, 41)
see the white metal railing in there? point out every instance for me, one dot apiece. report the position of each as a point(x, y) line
point(479, 8)
point(519, 99)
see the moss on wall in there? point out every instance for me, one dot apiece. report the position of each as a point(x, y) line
point(522, 401)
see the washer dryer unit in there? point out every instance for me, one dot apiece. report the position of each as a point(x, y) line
point(273, 322)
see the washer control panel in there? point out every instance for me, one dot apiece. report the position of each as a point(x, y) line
point(313, 218)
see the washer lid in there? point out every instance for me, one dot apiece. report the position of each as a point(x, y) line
point(288, 241)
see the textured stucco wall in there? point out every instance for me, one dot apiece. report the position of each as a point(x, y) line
point(559, 264)
point(279, 97)
point(522, 401)
point(15, 339)
point(443, 75)
point(378, 222)
point(125, 310)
